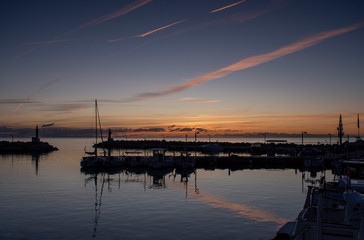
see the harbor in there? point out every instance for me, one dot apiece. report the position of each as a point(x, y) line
point(54, 193)
point(238, 155)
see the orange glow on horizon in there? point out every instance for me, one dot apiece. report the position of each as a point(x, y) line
point(219, 125)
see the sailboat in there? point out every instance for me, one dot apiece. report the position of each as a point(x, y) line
point(100, 161)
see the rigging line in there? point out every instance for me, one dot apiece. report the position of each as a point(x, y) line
point(102, 139)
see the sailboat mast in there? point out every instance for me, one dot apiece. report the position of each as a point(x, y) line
point(96, 126)
point(358, 127)
point(340, 130)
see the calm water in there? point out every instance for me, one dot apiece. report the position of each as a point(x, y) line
point(50, 198)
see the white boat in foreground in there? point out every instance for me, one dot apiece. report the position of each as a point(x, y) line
point(334, 210)
point(329, 213)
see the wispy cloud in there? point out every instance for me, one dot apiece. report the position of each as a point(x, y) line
point(149, 32)
point(116, 40)
point(158, 29)
point(248, 63)
point(239, 18)
point(16, 101)
point(48, 42)
point(89, 24)
point(228, 6)
point(195, 100)
point(48, 125)
point(110, 16)
point(64, 107)
point(28, 99)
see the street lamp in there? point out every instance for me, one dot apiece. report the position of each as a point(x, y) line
point(330, 138)
point(302, 137)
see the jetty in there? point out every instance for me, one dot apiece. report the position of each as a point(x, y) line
point(256, 149)
point(227, 155)
point(32, 147)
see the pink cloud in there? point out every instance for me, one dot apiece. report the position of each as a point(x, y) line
point(249, 62)
point(228, 6)
point(158, 29)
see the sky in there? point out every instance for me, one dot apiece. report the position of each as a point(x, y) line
point(173, 67)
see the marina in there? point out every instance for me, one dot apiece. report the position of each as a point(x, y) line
point(59, 199)
point(183, 120)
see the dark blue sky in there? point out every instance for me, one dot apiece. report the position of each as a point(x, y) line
point(155, 63)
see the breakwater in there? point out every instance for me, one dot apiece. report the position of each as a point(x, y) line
point(268, 149)
point(26, 147)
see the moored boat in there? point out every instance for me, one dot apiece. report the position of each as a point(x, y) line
point(185, 161)
point(333, 210)
point(106, 160)
point(160, 160)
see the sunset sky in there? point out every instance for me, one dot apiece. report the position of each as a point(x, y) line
point(172, 67)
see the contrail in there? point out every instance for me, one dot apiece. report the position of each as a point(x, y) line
point(94, 22)
point(41, 88)
point(228, 6)
point(110, 16)
point(158, 29)
point(48, 42)
point(148, 33)
point(195, 100)
point(248, 62)
point(236, 18)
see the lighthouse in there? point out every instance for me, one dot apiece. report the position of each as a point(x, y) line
point(110, 139)
point(36, 138)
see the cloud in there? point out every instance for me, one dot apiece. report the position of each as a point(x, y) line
point(116, 40)
point(48, 42)
point(48, 125)
point(111, 16)
point(16, 101)
point(158, 29)
point(182, 129)
point(89, 24)
point(228, 6)
point(149, 32)
point(202, 130)
point(248, 63)
point(44, 87)
point(171, 127)
point(238, 17)
point(64, 107)
point(149, 130)
point(195, 100)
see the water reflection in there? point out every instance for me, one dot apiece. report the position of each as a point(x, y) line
point(35, 159)
point(157, 179)
point(243, 210)
point(312, 177)
point(98, 198)
point(185, 175)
